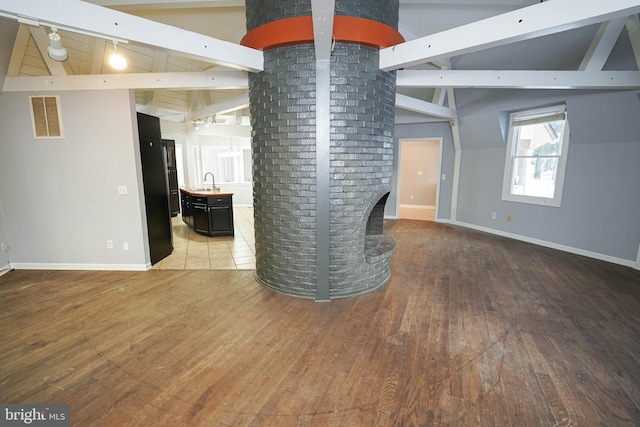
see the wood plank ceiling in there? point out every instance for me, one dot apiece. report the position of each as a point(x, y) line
point(445, 39)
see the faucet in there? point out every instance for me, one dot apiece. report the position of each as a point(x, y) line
point(213, 180)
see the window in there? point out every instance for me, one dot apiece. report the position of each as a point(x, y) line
point(45, 115)
point(180, 165)
point(537, 148)
point(226, 163)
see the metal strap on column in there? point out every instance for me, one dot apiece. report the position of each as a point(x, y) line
point(323, 14)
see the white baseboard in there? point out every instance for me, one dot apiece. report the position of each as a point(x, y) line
point(96, 267)
point(442, 220)
point(417, 206)
point(570, 249)
point(4, 270)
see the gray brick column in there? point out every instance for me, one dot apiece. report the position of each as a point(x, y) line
point(283, 106)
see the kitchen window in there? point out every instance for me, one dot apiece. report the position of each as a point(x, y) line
point(537, 147)
point(228, 164)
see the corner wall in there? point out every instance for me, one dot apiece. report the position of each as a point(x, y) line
point(60, 197)
point(600, 206)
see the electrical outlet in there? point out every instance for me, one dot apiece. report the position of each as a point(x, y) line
point(412, 197)
point(444, 177)
point(5, 248)
point(508, 218)
point(125, 246)
point(122, 190)
point(110, 244)
point(493, 215)
point(419, 173)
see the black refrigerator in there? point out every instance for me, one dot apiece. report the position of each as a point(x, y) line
point(156, 187)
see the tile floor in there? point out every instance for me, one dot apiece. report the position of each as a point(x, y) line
point(193, 251)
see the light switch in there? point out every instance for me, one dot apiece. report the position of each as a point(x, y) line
point(419, 173)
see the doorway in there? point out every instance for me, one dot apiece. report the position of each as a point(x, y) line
point(419, 178)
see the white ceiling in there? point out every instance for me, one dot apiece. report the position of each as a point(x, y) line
point(172, 59)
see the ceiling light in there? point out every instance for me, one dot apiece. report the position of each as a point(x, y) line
point(56, 51)
point(117, 61)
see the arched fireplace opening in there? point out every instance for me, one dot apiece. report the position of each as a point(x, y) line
point(376, 244)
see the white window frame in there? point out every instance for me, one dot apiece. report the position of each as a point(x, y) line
point(540, 115)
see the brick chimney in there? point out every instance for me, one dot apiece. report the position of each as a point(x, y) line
point(319, 202)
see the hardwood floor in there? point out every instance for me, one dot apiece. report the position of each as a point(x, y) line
point(420, 213)
point(471, 330)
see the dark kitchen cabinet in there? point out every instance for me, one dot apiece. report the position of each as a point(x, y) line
point(201, 218)
point(187, 210)
point(209, 214)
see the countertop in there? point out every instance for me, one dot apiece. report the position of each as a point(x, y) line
point(204, 191)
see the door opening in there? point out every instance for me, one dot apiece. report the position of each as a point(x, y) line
point(419, 178)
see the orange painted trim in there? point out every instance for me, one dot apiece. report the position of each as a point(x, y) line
point(299, 29)
point(365, 31)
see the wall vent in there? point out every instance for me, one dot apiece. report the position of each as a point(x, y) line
point(45, 115)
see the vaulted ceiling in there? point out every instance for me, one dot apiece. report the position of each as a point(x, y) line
point(185, 61)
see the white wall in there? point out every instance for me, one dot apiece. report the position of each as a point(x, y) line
point(59, 196)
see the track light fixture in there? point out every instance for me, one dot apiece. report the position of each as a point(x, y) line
point(117, 61)
point(56, 51)
point(206, 121)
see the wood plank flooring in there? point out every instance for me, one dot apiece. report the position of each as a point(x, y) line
point(471, 330)
point(418, 213)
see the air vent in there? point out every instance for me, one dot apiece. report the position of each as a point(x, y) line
point(45, 114)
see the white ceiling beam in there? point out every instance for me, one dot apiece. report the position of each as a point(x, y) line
point(194, 99)
point(322, 12)
point(423, 107)
point(633, 28)
point(440, 93)
point(95, 55)
point(518, 79)
point(108, 23)
point(529, 22)
point(159, 65)
point(179, 80)
point(228, 105)
point(19, 49)
point(167, 4)
point(602, 45)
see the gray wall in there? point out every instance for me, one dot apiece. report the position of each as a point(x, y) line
point(426, 131)
point(59, 196)
point(601, 202)
point(8, 31)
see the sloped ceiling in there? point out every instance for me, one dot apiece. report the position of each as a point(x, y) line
point(225, 20)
